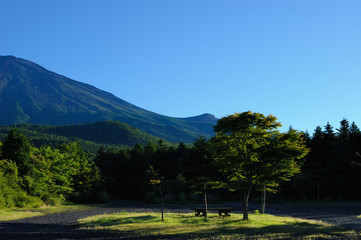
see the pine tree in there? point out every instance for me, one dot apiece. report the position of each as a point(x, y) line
point(329, 133)
point(344, 130)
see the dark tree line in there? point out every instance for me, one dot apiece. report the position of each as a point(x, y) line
point(30, 175)
point(126, 171)
point(331, 170)
point(247, 152)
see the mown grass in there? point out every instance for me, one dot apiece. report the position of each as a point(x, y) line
point(9, 214)
point(187, 226)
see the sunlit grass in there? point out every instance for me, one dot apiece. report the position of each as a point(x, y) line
point(19, 213)
point(260, 226)
point(13, 214)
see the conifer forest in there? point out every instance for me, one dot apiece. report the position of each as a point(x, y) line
point(31, 176)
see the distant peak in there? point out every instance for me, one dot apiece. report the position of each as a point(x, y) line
point(8, 56)
point(12, 58)
point(207, 115)
point(206, 118)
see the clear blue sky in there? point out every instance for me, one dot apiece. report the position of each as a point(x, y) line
point(298, 60)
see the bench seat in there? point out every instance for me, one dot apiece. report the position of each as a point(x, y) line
point(222, 211)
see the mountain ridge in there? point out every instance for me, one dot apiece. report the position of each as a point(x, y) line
point(29, 93)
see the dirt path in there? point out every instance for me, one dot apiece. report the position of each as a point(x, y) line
point(342, 214)
point(64, 225)
point(339, 214)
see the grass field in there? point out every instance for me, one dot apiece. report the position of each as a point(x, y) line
point(260, 226)
point(19, 213)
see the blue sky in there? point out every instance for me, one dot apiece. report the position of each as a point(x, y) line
point(298, 60)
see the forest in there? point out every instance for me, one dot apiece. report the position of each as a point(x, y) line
point(31, 176)
point(90, 136)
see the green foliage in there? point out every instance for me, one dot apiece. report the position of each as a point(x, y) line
point(82, 172)
point(239, 143)
point(52, 175)
point(23, 200)
point(11, 194)
point(17, 148)
point(281, 158)
point(107, 132)
point(90, 136)
point(251, 152)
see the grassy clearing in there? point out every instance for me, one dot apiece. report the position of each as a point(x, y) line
point(260, 226)
point(19, 213)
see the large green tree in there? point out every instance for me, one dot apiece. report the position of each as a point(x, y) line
point(251, 152)
point(17, 148)
point(83, 172)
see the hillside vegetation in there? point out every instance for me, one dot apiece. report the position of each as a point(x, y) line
point(90, 136)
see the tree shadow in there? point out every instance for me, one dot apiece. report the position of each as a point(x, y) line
point(287, 231)
point(117, 221)
point(12, 231)
point(58, 231)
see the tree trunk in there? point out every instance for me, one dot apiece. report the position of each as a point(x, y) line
point(205, 203)
point(161, 195)
point(263, 204)
point(246, 194)
point(318, 189)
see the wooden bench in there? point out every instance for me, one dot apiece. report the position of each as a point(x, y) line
point(222, 211)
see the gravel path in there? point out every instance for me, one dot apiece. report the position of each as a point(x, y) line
point(343, 214)
point(64, 225)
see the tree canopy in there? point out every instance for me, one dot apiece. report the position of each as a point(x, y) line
point(43, 174)
point(251, 152)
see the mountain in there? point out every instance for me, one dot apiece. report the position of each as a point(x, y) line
point(30, 93)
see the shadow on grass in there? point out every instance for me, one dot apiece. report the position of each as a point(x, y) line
point(117, 221)
point(11, 231)
point(287, 231)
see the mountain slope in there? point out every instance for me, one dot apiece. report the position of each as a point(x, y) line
point(31, 94)
point(90, 136)
point(105, 132)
